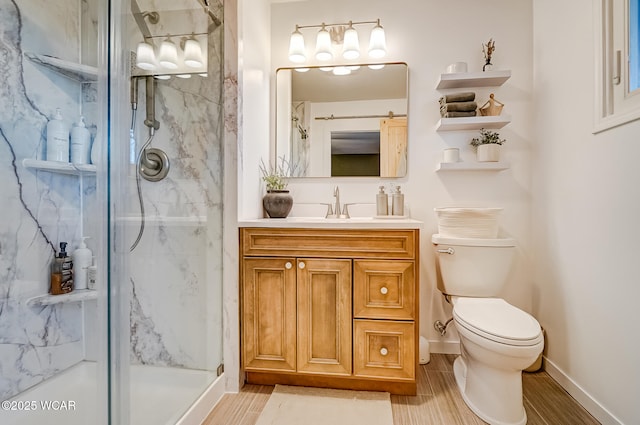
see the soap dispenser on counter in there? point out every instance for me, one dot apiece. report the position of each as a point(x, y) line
point(61, 272)
point(397, 202)
point(82, 259)
point(382, 203)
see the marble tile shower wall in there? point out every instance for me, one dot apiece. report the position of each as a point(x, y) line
point(38, 209)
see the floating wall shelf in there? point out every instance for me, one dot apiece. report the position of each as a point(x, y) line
point(74, 296)
point(75, 71)
point(472, 123)
point(473, 79)
point(472, 166)
point(60, 167)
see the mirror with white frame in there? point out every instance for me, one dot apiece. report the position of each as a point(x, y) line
point(330, 125)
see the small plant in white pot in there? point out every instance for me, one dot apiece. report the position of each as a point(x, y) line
point(488, 145)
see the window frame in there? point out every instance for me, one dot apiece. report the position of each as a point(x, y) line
point(614, 104)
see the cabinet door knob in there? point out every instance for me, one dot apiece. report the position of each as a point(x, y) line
point(384, 351)
point(288, 265)
point(301, 264)
point(384, 290)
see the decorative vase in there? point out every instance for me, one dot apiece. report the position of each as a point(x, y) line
point(489, 152)
point(277, 203)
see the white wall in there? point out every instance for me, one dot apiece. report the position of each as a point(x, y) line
point(429, 35)
point(586, 204)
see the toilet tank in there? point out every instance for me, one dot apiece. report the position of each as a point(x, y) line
point(471, 267)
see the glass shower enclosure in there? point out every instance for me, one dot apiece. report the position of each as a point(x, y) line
point(139, 339)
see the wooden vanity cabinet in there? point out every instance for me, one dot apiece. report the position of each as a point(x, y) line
point(330, 307)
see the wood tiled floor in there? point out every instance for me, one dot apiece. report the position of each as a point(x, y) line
point(438, 401)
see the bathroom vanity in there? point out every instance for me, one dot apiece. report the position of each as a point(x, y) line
point(330, 304)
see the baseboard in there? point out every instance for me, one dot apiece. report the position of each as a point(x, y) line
point(577, 392)
point(444, 347)
point(199, 410)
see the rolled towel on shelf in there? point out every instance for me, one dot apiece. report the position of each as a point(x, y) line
point(459, 107)
point(467, 96)
point(458, 114)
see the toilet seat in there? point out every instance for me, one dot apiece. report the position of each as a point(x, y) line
point(497, 320)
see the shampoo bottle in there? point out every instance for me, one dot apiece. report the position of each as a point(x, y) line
point(397, 204)
point(80, 143)
point(82, 258)
point(62, 272)
point(382, 202)
point(57, 139)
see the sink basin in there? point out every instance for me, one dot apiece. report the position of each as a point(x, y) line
point(325, 220)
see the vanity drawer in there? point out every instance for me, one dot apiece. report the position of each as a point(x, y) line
point(384, 289)
point(384, 349)
point(335, 243)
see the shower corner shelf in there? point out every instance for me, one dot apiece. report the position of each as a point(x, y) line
point(77, 295)
point(472, 166)
point(75, 71)
point(60, 167)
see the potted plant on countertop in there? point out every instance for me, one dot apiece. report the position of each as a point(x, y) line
point(488, 145)
point(277, 202)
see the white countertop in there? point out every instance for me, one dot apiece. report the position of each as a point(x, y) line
point(334, 223)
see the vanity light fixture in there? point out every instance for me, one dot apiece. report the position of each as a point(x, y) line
point(343, 35)
point(186, 58)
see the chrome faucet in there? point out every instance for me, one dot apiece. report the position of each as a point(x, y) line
point(336, 194)
point(335, 211)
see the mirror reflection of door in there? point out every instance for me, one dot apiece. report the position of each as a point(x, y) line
point(355, 125)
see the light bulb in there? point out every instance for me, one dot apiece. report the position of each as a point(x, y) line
point(351, 49)
point(145, 57)
point(377, 42)
point(296, 47)
point(192, 53)
point(323, 45)
point(168, 56)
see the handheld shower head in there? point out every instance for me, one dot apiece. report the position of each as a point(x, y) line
point(150, 121)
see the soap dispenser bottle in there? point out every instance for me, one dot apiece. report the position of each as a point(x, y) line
point(82, 259)
point(62, 272)
point(57, 139)
point(382, 202)
point(80, 143)
point(397, 203)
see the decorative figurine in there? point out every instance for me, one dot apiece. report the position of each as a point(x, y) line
point(492, 107)
point(488, 49)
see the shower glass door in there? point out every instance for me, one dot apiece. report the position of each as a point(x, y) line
point(164, 185)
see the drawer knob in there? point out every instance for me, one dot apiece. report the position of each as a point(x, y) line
point(301, 264)
point(384, 290)
point(384, 351)
point(288, 265)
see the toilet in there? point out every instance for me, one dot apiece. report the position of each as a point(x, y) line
point(497, 340)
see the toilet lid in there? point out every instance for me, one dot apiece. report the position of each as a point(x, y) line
point(497, 320)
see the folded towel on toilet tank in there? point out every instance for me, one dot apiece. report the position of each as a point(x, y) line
point(465, 96)
point(459, 107)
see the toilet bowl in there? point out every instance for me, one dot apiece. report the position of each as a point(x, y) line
point(497, 340)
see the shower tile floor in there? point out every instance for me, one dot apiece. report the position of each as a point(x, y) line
point(159, 395)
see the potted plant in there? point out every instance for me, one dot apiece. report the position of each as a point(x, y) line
point(488, 145)
point(277, 202)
